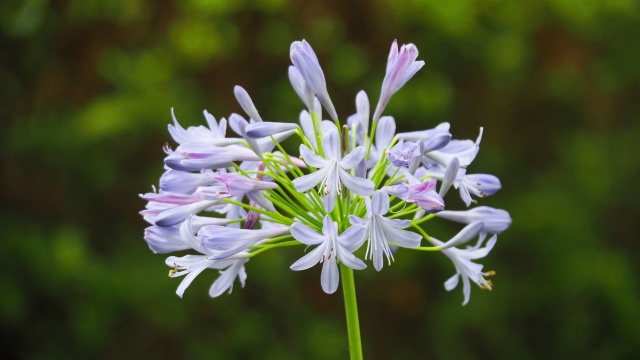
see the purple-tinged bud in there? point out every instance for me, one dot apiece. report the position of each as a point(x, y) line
point(261, 167)
point(306, 61)
point(252, 217)
point(495, 220)
point(401, 66)
point(264, 129)
point(246, 103)
point(422, 194)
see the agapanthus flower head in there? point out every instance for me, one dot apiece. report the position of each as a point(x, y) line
point(226, 199)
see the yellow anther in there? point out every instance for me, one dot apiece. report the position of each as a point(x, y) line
point(489, 273)
point(174, 270)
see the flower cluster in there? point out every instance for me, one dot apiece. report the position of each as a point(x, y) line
point(228, 199)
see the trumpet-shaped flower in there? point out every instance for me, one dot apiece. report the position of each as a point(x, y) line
point(191, 266)
point(332, 172)
point(331, 249)
point(383, 230)
point(214, 135)
point(467, 269)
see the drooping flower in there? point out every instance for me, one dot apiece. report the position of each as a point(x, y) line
point(383, 230)
point(466, 268)
point(332, 171)
point(331, 249)
point(191, 266)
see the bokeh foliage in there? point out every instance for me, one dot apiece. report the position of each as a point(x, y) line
point(86, 90)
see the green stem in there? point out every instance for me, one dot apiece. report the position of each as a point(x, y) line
point(351, 309)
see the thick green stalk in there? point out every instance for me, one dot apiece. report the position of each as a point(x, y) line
point(351, 309)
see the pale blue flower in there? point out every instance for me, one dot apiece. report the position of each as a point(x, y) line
point(383, 230)
point(332, 172)
point(331, 249)
point(466, 268)
point(214, 135)
point(191, 266)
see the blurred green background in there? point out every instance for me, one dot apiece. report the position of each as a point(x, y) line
point(86, 89)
